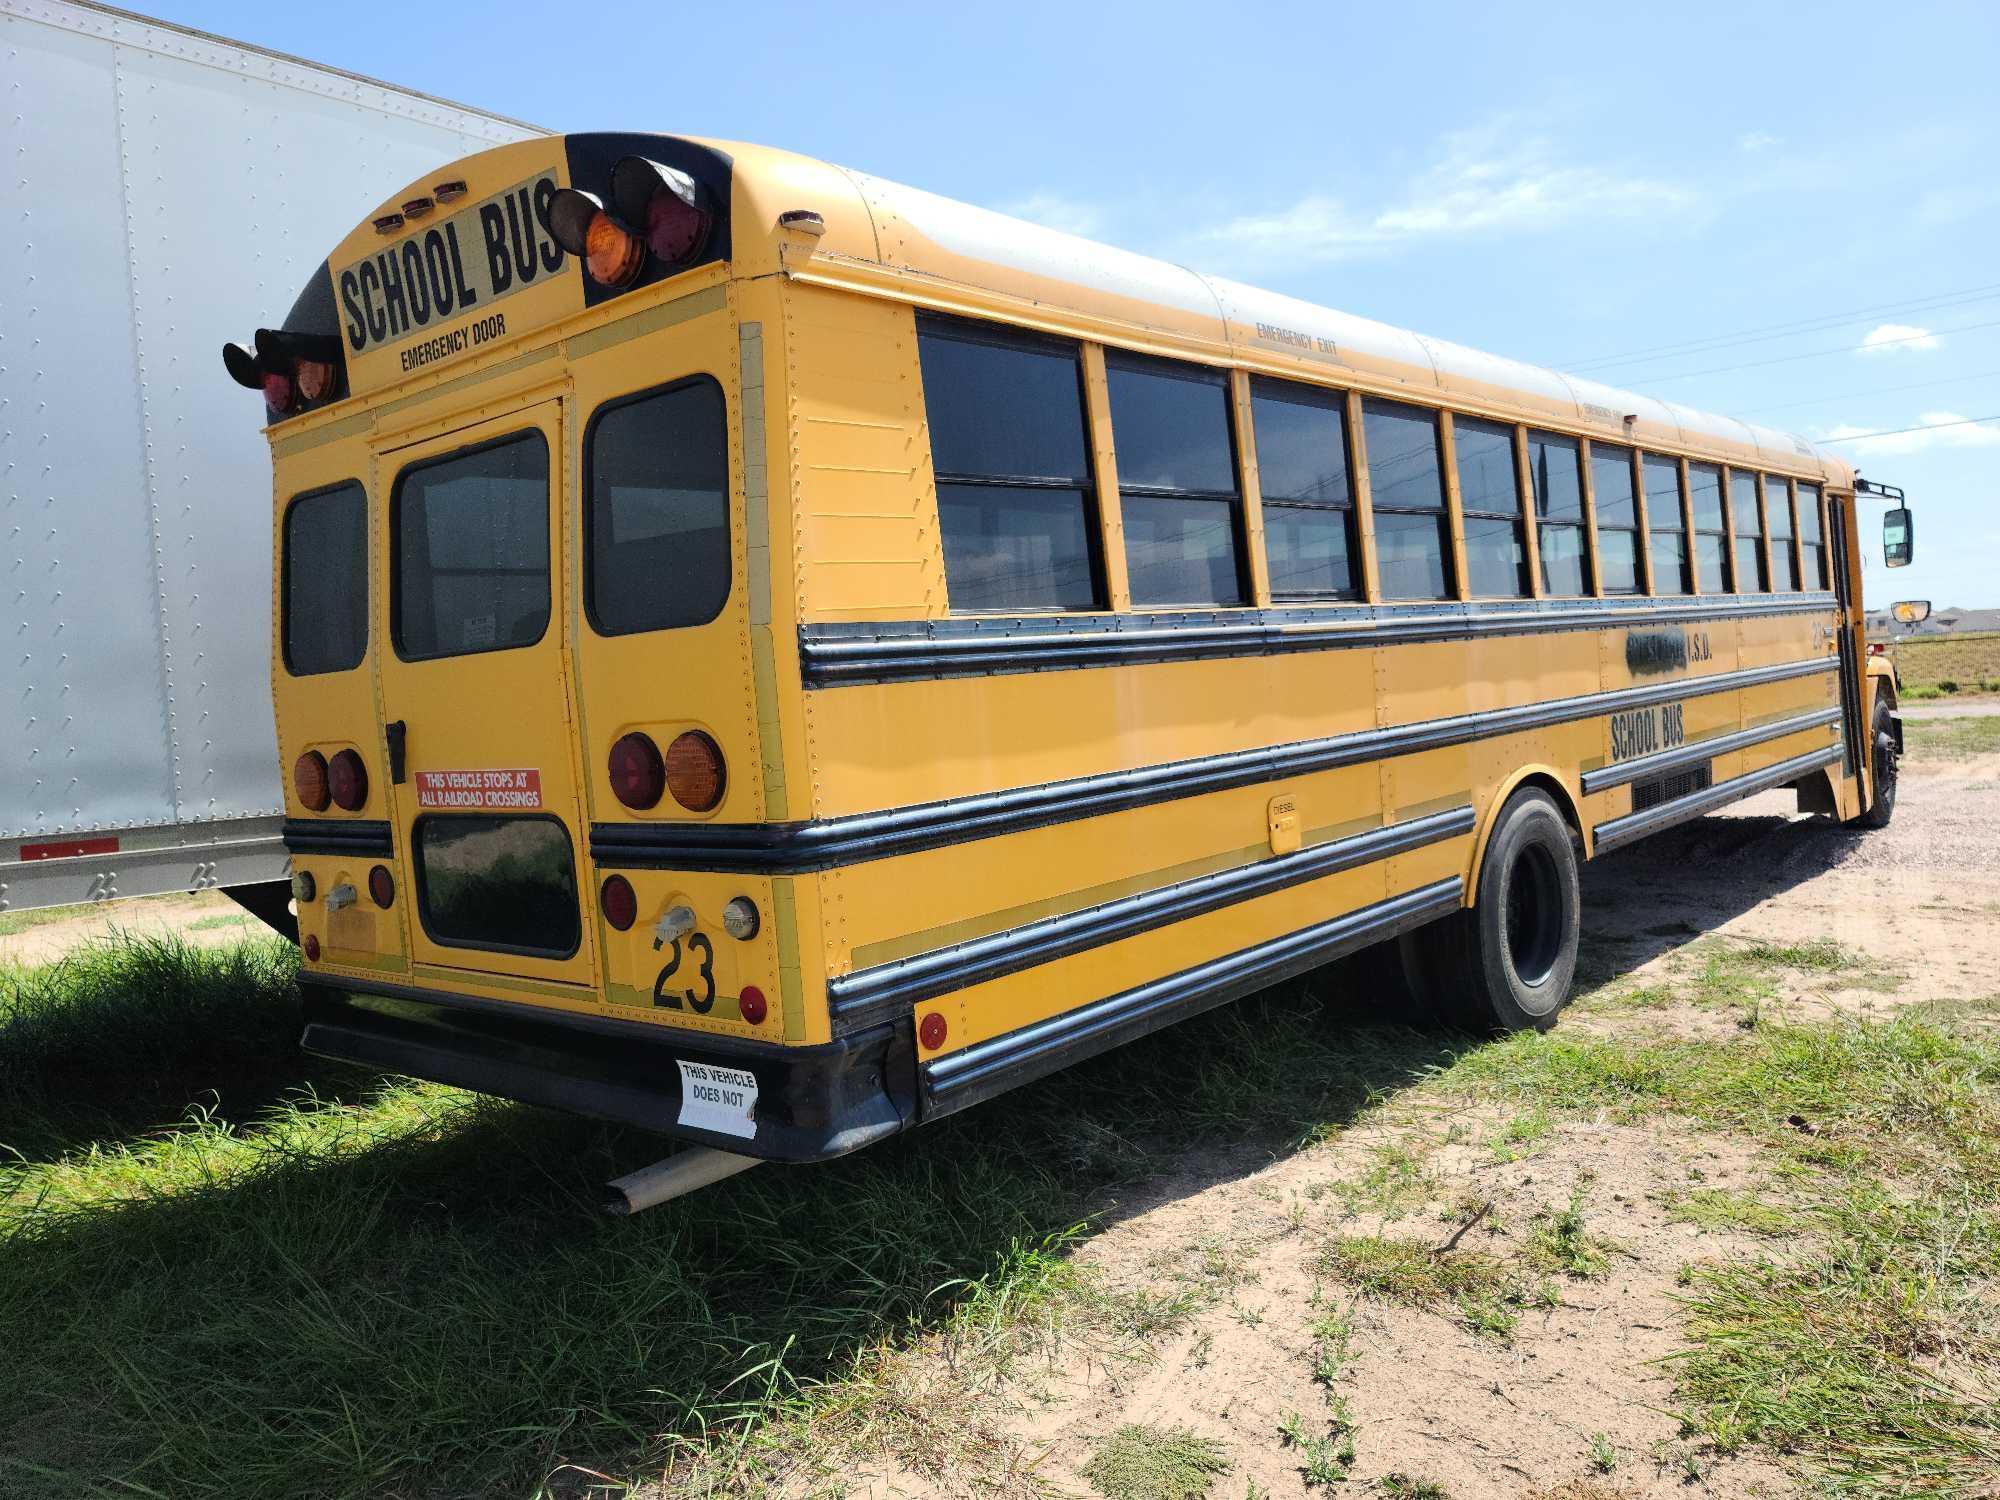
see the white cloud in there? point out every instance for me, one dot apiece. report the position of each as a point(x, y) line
point(1486, 181)
point(1755, 141)
point(1053, 211)
point(1897, 338)
point(1934, 429)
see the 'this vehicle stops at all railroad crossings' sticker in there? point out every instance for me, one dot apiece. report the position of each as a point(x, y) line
point(479, 790)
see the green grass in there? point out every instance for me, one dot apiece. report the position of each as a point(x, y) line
point(226, 1270)
point(1560, 1242)
point(1153, 1463)
point(1722, 1208)
point(1951, 739)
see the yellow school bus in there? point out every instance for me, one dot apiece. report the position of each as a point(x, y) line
point(777, 657)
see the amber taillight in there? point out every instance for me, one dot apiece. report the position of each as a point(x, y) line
point(309, 780)
point(695, 773)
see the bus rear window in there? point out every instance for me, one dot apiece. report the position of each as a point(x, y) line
point(658, 470)
point(325, 581)
point(471, 535)
point(505, 883)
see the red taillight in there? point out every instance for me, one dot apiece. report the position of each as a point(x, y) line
point(347, 779)
point(1876, 648)
point(751, 1003)
point(312, 948)
point(381, 886)
point(695, 773)
point(618, 902)
point(638, 776)
point(309, 781)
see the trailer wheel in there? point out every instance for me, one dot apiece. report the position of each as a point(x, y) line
point(1506, 963)
point(1887, 762)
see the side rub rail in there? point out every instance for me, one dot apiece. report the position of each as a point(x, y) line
point(1621, 831)
point(847, 653)
point(870, 995)
point(362, 838)
point(795, 848)
point(986, 1068)
point(1697, 751)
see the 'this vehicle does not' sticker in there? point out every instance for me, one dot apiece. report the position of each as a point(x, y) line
point(479, 790)
point(719, 1099)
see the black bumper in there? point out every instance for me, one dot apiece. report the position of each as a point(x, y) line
point(813, 1102)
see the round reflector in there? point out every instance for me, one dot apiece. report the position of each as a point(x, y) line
point(309, 781)
point(930, 1031)
point(312, 948)
point(695, 773)
point(753, 1005)
point(638, 777)
point(617, 900)
point(666, 204)
point(381, 886)
point(347, 779)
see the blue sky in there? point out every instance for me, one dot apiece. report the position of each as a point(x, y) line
point(1567, 184)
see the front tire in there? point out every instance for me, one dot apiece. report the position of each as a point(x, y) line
point(1887, 764)
point(1506, 963)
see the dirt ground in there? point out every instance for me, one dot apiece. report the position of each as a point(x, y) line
point(1580, 1382)
point(201, 917)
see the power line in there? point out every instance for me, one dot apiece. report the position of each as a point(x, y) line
point(1887, 390)
point(1814, 324)
point(1782, 359)
point(1855, 437)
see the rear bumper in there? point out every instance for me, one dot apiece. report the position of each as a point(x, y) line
point(813, 1102)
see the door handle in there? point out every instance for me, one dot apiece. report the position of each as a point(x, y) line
point(397, 731)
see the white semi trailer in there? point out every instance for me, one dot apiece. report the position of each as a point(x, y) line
point(156, 182)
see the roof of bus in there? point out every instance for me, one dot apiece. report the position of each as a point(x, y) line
point(987, 262)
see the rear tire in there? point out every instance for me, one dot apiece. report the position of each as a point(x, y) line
point(1886, 765)
point(1506, 963)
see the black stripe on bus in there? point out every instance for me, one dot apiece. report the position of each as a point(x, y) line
point(870, 995)
point(363, 838)
point(825, 843)
point(848, 653)
point(987, 1068)
point(1700, 750)
point(1621, 831)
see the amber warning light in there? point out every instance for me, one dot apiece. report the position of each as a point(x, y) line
point(655, 210)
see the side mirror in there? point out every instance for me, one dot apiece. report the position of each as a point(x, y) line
point(1898, 538)
point(1911, 611)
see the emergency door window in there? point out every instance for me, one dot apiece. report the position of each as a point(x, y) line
point(471, 533)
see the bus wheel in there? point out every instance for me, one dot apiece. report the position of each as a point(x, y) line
point(1507, 962)
point(1883, 808)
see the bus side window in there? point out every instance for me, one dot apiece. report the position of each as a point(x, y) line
point(1170, 424)
point(1617, 517)
point(1555, 468)
point(1008, 448)
point(1811, 538)
point(1662, 478)
point(1750, 576)
point(1778, 515)
point(1711, 540)
point(324, 616)
point(657, 509)
point(1489, 494)
point(1304, 468)
point(1406, 492)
